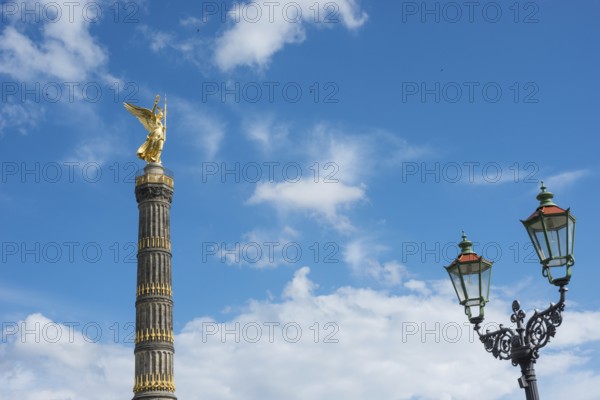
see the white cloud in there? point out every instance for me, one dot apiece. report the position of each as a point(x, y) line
point(258, 30)
point(493, 173)
point(340, 155)
point(50, 363)
point(160, 40)
point(205, 130)
point(193, 49)
point(253, 34)
point(560, 181)
point(100, 142)
point(361, 255)
point(580, 385)
point(337, 164)
point(98, 149)
point(482, 173)
point(418, 286)
point(59, 51)
point(66, 51)
point(300, 287)
point(353, 157)
point(323, 200)
point(191, 21)
point(21, 117)
point(578, 328)
point(265, 132)
point(351, 344)
point(263, 249)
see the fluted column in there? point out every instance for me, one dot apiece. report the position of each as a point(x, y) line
point(154, 295)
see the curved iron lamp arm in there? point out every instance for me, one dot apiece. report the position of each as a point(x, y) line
point(503, 342)
point(542, 325)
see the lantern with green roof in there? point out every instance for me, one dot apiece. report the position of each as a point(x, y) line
point(552, 232)
point(471, 275)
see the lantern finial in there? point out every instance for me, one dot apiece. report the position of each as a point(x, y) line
point(465, 245)
point(545, 197)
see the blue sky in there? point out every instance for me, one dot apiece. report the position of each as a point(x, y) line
point(327, 156)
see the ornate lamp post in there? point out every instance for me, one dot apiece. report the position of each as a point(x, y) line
point(552, 231)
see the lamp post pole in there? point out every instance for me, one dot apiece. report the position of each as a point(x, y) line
point(552, 231)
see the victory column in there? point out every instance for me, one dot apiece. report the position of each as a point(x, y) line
point(154, 297)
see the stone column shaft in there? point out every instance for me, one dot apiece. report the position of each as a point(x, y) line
point(154, 295)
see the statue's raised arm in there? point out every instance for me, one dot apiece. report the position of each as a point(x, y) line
point(151, 150)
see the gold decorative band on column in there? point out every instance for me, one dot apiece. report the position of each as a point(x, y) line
point(154, 288)
point(154, 335)
point(148, 382)
point(154, 241)
point(154, 178)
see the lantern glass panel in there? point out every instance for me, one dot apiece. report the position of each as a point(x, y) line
point(457, 282)
point(470, 273)
point(558, 272)
point(475, 311)
point(571, 235)
point(539, 242)
point(486, 276)
point(557, 239)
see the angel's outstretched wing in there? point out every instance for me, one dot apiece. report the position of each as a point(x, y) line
point(145, 116)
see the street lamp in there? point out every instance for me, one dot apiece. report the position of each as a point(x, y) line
point(470, 275)
point(552, 232)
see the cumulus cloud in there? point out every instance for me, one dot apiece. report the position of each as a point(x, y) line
point(351, 343)
point(354, 155)
point(57, 51)
point(42, 359)
point(300, 287)
point(66, 51)
point(259, 30)
point(339, 162)
point(361, 255)
point(321, 199)
point(255, 31)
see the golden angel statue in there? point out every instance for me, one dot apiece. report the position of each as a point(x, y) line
point(157, 132)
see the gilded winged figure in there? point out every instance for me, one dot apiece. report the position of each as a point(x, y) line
point(152, 120)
